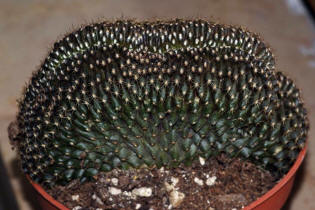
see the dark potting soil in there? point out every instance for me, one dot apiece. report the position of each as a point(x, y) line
point(218, 183)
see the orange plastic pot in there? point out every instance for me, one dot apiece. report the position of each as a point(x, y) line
point(274, 199)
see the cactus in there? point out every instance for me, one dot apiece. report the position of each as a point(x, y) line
point(150, 94)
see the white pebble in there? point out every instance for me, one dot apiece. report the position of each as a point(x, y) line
point(168, 187)
point(114, 181)
point(202, 161)
point(75, 197)
point(97, 199)
point(114, 191)
point(77, 208)
point(138, 205)
point(174, 181)
point(211, 180)
point(142, 192)
point(127, 193)
point(234, 209)
point(198, 181)
point(99, 209)
point(176, 198)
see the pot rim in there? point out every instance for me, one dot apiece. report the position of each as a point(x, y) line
point(252, 205)
point(280, 183)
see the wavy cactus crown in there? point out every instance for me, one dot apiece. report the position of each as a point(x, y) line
point(132, 94)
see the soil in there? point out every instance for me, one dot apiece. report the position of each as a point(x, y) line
point(218, 183)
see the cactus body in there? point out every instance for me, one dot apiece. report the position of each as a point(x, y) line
point(150, 94)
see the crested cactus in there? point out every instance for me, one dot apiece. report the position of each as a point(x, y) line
point(150, 94)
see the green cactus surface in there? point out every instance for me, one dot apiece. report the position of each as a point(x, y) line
point(162, 93)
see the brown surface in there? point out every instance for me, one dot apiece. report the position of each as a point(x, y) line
point(237, 184)
point(28, 28)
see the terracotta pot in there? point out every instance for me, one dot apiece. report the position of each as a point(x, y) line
point(273, 199)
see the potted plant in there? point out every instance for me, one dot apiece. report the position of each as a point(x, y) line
point(149, 95)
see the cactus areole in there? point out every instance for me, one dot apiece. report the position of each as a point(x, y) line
point(150, 94)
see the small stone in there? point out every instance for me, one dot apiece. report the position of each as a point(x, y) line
point(75, 197)
point(114, 181)
point(228, 198)
point(97, 199)
point(99, 209)
point(211, 180)
point(210, 208)
point(234, 209)
point(123, 181)
point(77, 208)
point(168, 187)
point(114, 191)
point(127, 193)
point(176, 198)
point(174, 181)
point(138, 206)
point(202, 161)
point(198, 181)
point(102, 180)
point(142, 192)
